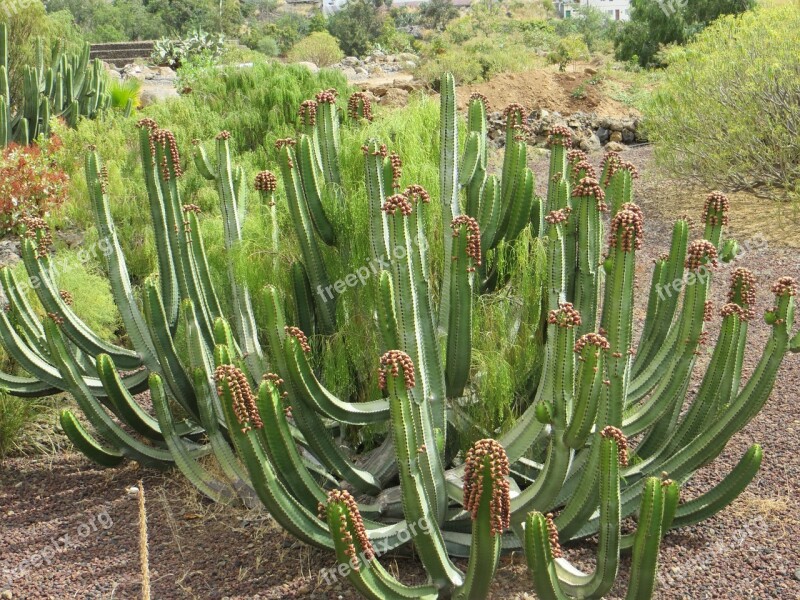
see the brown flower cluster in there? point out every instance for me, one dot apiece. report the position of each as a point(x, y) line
point(488, 454)
point(552, 532)
point(397, 169)
point(187, 208)
point(715, 209)
point(397, 202)
point(560, 135)
point(33, 225)
point(66, 297)
point(359, 105)
point(244, 401)
point(301, 337)
point(483, 99)
point(392, 363)
point(627, 228)
point(327, 96)
point(279, 144)
point(166, 139)
point(565, 316)
point(56, 318)
point(307, 112)
point(350, 506)
point(104, 179)
point(785, 286)
point(417, 193)
point(266, 182)
point(473, 238)
point(700, 252)
point(613, 163)
point(589, 186)
point(591, 339)
point(586, 167)
point(734, 309)
point(622, 443)
point(742, 291)
point(576, 155)
point(223, 135)
point(514, 114)
point(708, 311)
point(556, 216)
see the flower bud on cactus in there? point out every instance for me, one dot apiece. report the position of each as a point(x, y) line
point(350, 513)
point(627, 229)
point(486, 462)
point(701, 253)
point(622, 443)
point(392, 363)
point(244, 401)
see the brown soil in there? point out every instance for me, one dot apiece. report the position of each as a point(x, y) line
point(206, 551)
point(547, 88)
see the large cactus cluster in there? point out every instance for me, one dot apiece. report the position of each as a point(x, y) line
point(253, 394)
point(71, 87)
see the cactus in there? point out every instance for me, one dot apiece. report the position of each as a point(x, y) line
point(564, 471)
point(70, 88)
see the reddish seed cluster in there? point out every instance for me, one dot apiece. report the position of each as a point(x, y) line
point(715, 209)
point(622, 443)
point(187, 208)
point(307, 112)
point(301, 337)
point(556, 216)
point(276, 382)
point(565, 316)
point(473, 238)
point(57, 319)
point(742, 291)
point(552, 532)
point(147, 123)
point(266, 182)
point(397, 202)
point(223, 135)
point(708, 311)
point(291, 142)
point(785, 286)
point(397, 169)
point(586, 167)
point(560, 135)
point(483, 99)
point(392, 363)
point(613, 163)
point(166, 139)
point(576, 155)
point(327, 96)
point(627, 229)
point(244, 401)
point(359, 105)
point(66, 297)
point(664, 257)
point(33, 225)
point(488, 454)
point(344, 498)
point(591, 339)
point(589, 186)
point(104, 179)
point(417, 193)
point(701, 253)
point(734, 309)
point(514, 114)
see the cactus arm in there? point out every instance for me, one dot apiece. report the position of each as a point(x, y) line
point(84, 441)
point(591, 369)
point(387, 320)
point(520, 209)
point(448, 185)
point(328, 133)
point(26, 387)
point(379, 235)
point(489, 217)
point(539, 556)
point(203, 162)
point(303, 298)
point(77, 331)
point(205, 482)
point(416, 505)
point(459, 336)
point(721, 495)
point(470, 159)
point(312, 191)
point(305, 382)
point(312, 257)
point(646, 542)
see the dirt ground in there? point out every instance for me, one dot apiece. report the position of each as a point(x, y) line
point(70, 530)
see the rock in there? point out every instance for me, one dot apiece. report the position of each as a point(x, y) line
point(628, 136)
point(9, 253)
point(380, 90)
point(797, 574)
point(350, 61)
point(361, 71)
point(409, 65)
point(616, 136)
point(7, 595)
point(615, 147)
point(71, 238)
point(151, 94)
point(376, 71)
point(349, 72)
point(395, 97)
point(309, 65)
point(590, 143)
point(603, 134)
point(590, 71)
point(166, 73)
point(406, 56)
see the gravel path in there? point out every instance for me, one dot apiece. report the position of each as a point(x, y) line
point(69, 530)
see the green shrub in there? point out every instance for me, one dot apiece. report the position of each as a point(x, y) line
point(320, 48)
point(569, 49)
point(173, 53)
point(722, 115)
point(15, 415)
point(125, 91)
point(357, 26)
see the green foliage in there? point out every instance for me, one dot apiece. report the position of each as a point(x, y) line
point(655, 24)
point(320, 48)
point(740, 81)
point(15, 415)
point(124, 93)
point(174, 53)
point(569, 49)
point(117, 21)
point(592, 24)
point(436, 14)
point(357, 26)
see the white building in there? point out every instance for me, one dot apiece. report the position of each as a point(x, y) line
point(617, 10)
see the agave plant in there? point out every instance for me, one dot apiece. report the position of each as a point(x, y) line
point(566, 470)
point(72, 87)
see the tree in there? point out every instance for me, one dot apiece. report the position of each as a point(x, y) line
point(656, 23)
point(358, 25)
point(436, 14)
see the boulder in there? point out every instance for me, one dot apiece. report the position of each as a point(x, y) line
point(309, 65)
point(395, 97)
point(603, 134)
point(590, 71)
point(590, 143)
point(628, 136)
point(407, 56)
point(615, 147)
point(9, 253)
point(350, 61)
point(151, 94)
point(616, 136)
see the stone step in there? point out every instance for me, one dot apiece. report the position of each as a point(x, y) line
point(113, 54)
point(146, 45)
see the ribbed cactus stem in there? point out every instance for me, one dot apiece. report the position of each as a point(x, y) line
point(715, 217)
